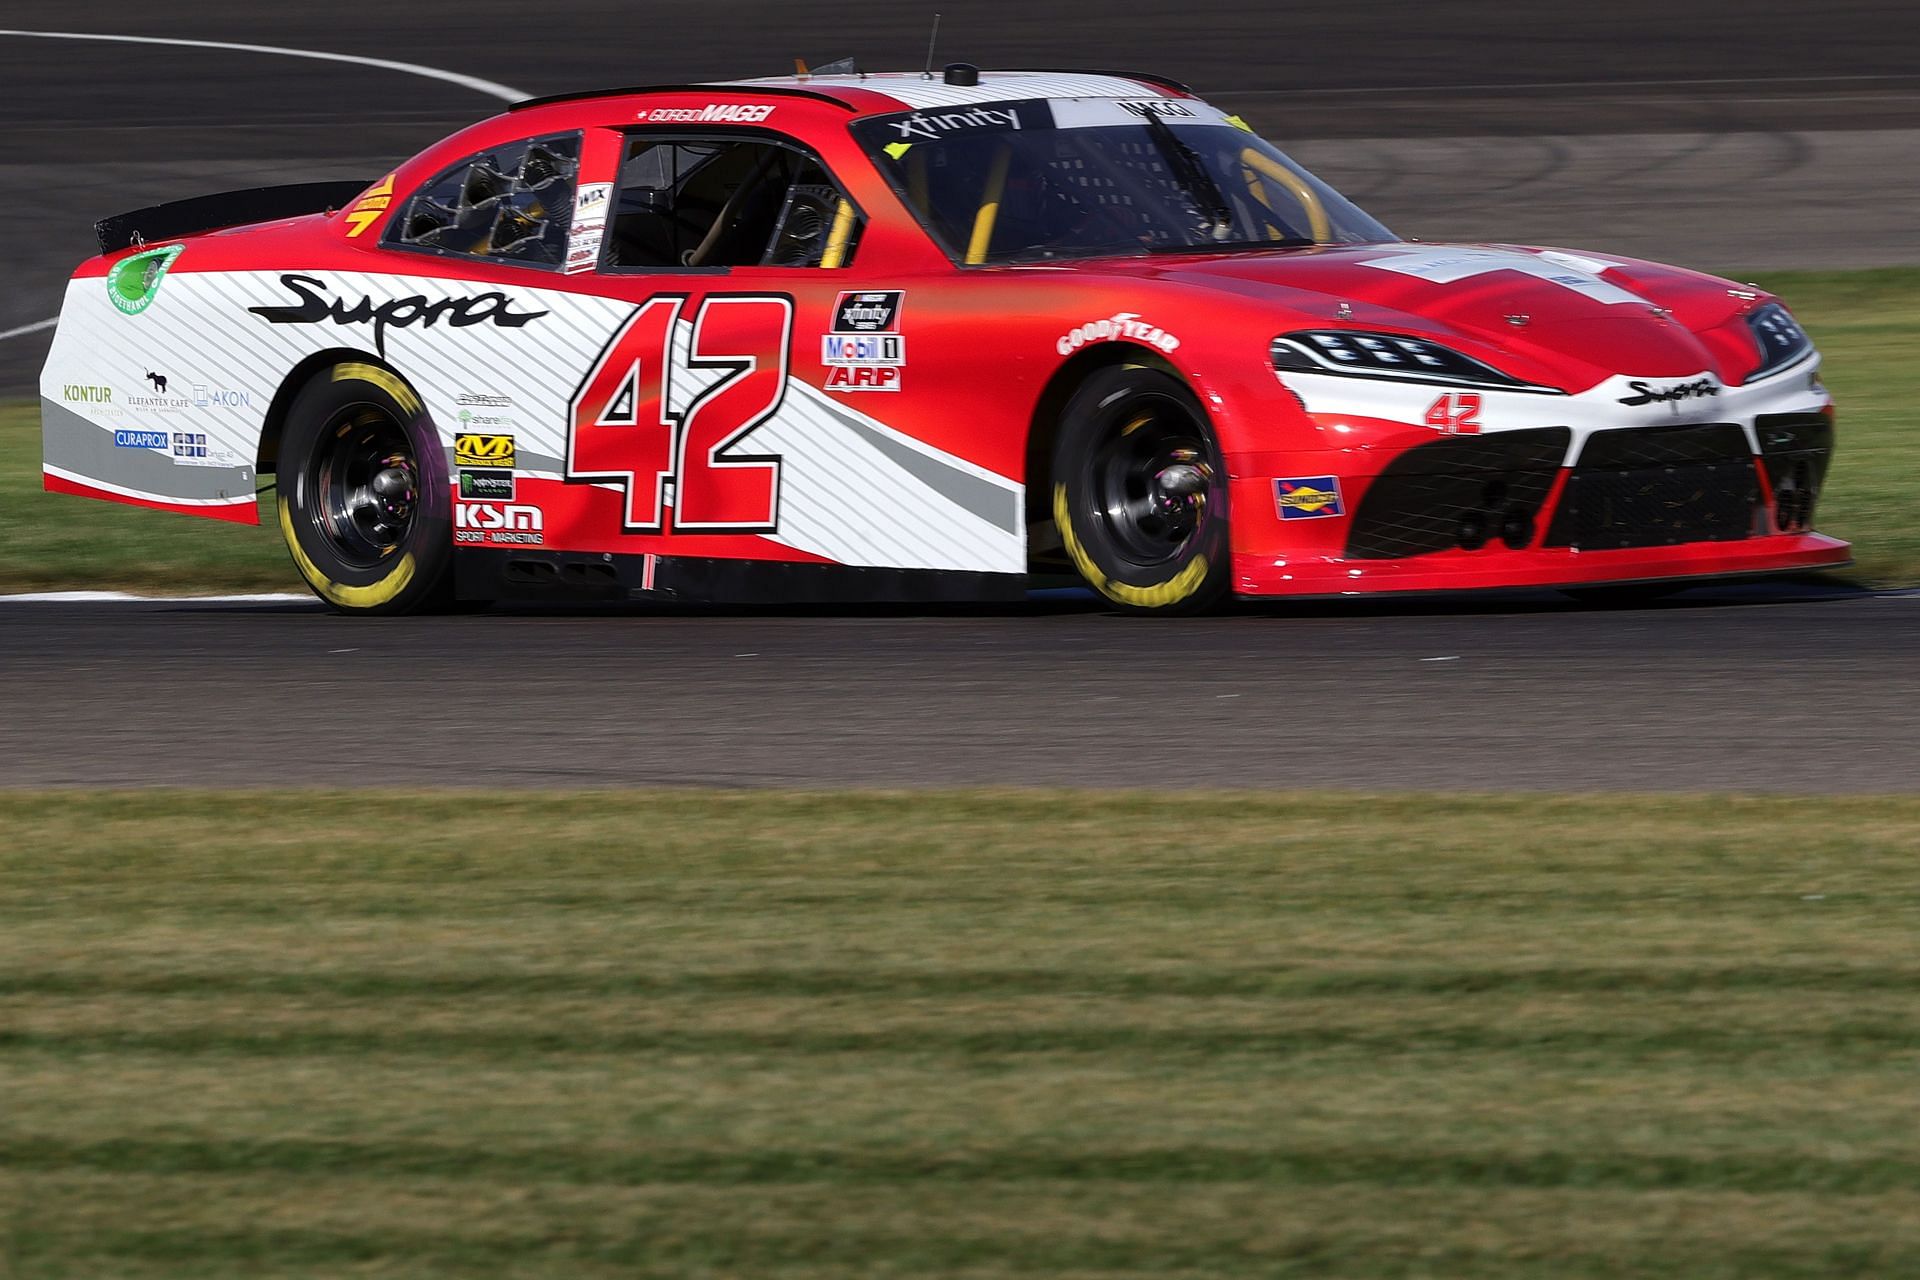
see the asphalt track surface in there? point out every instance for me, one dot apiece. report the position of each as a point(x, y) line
point(1761, 133)
point(1736, 689)
point(1725, 134)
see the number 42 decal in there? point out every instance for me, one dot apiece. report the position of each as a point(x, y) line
point(1456, 411)
point(620, 426)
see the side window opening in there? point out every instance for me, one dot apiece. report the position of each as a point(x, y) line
point(727, 202)
point(509, 204)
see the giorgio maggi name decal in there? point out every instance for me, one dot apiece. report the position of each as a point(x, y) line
point(399, 313)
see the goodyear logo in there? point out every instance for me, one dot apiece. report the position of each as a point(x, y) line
point(1308, 497)
point(473, 450)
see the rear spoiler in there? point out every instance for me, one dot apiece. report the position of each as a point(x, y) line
point(228, 209)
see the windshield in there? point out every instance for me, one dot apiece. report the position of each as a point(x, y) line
point(1083, 177)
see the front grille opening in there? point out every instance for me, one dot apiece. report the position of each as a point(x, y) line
point(1658, 487)
point(1796, 449)
point(1465, 492)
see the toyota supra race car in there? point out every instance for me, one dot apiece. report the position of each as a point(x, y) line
point(915, 337)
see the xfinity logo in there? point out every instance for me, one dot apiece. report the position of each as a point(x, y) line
point(1647, 393)
point(399, 313)
point(922, 125)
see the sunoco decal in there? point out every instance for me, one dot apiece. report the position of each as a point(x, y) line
point(1308, 497)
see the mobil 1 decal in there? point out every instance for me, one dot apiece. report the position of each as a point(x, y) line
point(686, 470)
point(865, 351)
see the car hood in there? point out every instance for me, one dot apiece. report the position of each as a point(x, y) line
point(1546, 315)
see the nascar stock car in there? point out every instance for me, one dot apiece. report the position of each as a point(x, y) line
point(919, 337)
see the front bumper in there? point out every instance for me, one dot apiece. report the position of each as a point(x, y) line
point(1260, 576)
point(1539, 508)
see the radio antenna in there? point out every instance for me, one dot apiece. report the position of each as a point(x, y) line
point(931, 41)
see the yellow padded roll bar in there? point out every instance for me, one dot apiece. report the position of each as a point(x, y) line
point(989, 207)
point(840, 236)
point(1252, 158)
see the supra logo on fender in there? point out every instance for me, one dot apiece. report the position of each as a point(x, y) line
point(1647, 393)
point(470, 450)
point(400, 313)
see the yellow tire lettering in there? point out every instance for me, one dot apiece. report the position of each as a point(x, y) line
point(385, 379)
point(367, 597)
point(1157, 596)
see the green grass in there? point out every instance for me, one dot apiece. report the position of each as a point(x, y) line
point(706, 1034)
point(57, 542)
point(1867, 323)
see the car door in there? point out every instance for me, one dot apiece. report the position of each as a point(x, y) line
point(748, 407)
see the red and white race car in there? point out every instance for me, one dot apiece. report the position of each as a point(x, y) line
point(919, 337)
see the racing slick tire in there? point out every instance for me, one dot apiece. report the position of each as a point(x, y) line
point(1140, 493)
point(365, 503)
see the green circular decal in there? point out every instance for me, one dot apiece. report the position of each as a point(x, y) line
point(133, 282)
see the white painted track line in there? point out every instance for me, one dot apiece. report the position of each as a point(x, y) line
point(25, 329)
point(125, 597)
point(492, 89)
point(505, 93)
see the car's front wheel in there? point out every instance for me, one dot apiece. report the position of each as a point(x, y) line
point(364, 500)
point(1140, 493)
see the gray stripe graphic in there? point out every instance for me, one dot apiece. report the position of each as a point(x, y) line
point(86, 449)
point(983, 498)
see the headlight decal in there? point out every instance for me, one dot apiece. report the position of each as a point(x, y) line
point(1782, 340)
point(1355, 354)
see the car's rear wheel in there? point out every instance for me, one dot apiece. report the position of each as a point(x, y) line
point(1140, 492)
point(364, 500)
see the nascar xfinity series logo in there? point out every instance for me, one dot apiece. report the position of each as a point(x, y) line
point(865, 351)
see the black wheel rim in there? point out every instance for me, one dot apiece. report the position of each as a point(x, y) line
point(365, 486)
point(1152, 478)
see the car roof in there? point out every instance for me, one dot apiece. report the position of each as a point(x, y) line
point(915, 89)
point(912, 90)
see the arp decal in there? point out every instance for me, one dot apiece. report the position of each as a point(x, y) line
point(621, 429)
point(1457, 412)
point(134, 282)
point(865, 351)
point(1308, 497)
point(366, 211)
point(863, 378)
point(491, 307)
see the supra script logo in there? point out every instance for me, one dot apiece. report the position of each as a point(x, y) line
point(400, 313)
point(1647, 393)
